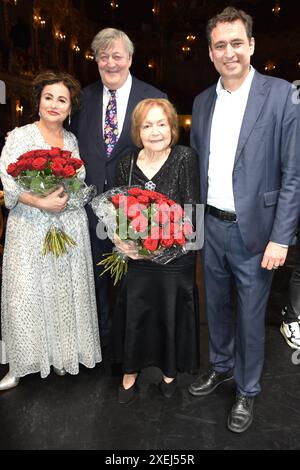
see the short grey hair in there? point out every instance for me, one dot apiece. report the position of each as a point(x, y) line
point(105, 39)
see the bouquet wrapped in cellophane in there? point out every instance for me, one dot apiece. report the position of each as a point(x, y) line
point(42, 172)
point(155, 225)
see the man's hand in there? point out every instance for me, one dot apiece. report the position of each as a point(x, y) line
point(274, 256)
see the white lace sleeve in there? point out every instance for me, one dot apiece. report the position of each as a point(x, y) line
point(14, 147)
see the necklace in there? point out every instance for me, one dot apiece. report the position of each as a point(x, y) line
point(150, 185)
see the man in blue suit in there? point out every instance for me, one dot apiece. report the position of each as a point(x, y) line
point(247, 135)
point(113, 52)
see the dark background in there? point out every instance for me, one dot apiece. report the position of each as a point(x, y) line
point(159, 30)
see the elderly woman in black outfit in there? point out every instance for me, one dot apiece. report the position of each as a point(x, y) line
point(156, 316)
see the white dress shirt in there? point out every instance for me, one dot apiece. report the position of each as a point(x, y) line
point(225, 130)
point(122, 97)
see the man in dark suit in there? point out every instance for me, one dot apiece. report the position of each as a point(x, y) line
point(246, 133)
point(113, 52)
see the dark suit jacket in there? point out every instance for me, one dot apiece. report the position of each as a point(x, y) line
point(266, 173)
point(87, 126)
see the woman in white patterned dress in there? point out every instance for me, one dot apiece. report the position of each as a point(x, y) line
point(49, 314)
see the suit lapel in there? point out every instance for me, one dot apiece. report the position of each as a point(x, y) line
point(257, 97)
point(206, 130)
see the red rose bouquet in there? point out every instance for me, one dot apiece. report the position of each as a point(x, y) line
point(42, 172)
point(155, 225)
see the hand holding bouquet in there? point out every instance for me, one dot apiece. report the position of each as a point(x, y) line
point(41, 172)
point(153, 227)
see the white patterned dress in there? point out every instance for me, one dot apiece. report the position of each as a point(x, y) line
point(49, 314)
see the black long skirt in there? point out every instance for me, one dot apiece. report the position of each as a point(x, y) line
point(156, 317)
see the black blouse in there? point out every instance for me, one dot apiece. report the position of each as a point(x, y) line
point(178, 178)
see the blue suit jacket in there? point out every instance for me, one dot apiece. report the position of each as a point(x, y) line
point(266, 173)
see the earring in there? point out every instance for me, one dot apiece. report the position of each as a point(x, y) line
point(39, 114)
point(69, 120)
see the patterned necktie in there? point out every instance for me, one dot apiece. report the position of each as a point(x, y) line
point(111, 124)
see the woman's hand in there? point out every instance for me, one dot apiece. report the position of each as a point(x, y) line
point(127, 247)
point(55, 202)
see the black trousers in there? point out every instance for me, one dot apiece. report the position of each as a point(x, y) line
point(102, 286)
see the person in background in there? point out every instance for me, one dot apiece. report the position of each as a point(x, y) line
point(48, 303)
point(156, 318)
point(289, 327)
point(246, 132)
point(102, 127)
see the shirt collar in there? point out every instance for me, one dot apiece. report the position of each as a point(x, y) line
point(123, 90)
point(244, 88)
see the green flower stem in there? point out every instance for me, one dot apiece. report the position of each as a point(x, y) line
point(57, 242)
point(116, 264)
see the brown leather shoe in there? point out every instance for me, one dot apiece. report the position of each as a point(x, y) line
point(208, 382)
point(241, 415)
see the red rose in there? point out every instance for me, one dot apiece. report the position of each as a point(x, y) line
point(55, 152)
point(135, 210)
point(76, 163)
point(13, 170)
point(39, 163)
point(66, 153)
point(131, 201)
point(119, 200)
point(171, 202)
point(29, 163)
point(57, 169)
point(176, 229)
point(59, 160)
point(160, 198)
point(176, 212)
point(167, 242)
point(162, 215)
point(27, 155)
point(135, 191)
point(41, 153)
point(179, 239)
point(143, 199)
point(187, 229)
point(150, 244)
point(151, 194)
point(68, 171)
point(139, 224)
point(23, 164)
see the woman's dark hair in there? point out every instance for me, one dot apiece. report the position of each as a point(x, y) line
point(49, 78)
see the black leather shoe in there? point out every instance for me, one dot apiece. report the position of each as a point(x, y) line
point(241, 414)
point(208, 382)
point(127, 395)
point(168, 389)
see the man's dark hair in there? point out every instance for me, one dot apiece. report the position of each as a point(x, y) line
point(228, 15)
